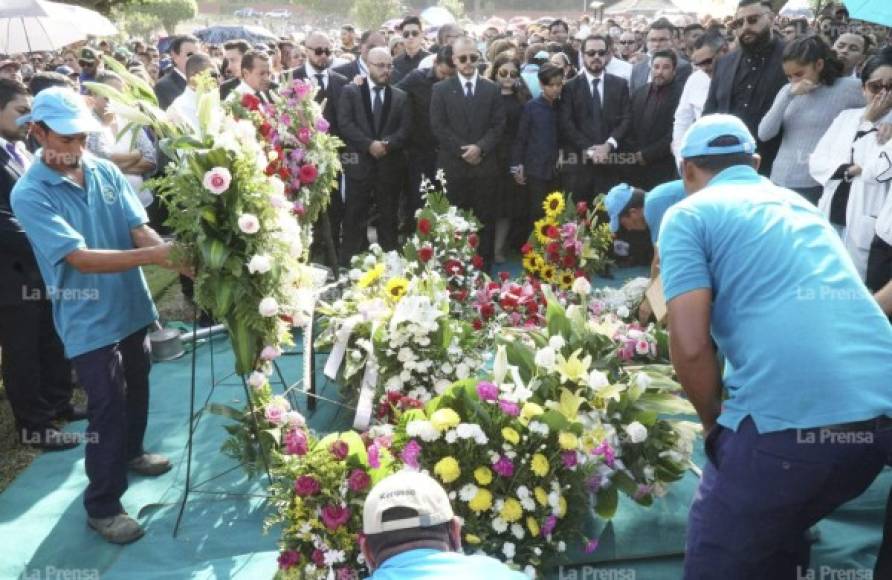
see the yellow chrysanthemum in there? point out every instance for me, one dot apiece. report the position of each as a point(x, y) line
point(483, 475)
point(447, 469)
point(541, 228)
point(541, 496)
point(532, 526)
point(371, 276)
point(553, 204)
point(444, 419)
point(396, 288)
point(562, 506)
point(481, 501)
point(472, 539)
point(511, 511)
point(510, 435)
point(539, 465)
point(568, 441)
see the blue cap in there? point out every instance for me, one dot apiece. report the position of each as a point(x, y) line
point(697, 139)
point(65, 70)
point(63, 110)
point(616, 201)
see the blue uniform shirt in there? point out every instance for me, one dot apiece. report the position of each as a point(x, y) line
point(439, 565)
point(90, 310)
point(657, 201)
point(806, 343)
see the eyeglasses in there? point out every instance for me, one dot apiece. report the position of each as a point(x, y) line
point(878, 86)
point(752, 20)
point(504, 73)
point(411, 33)
point(628, 42)
point(381, 65)
point(704, 62)
point(319, 51)
point(591, 53)
point(469, 57)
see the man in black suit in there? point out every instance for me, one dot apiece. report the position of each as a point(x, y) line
point(233, 50)
point(374, 120)
point(256, 77)
point(468, 119)
point(653, 110)
point(660, 36)
point(422, 150)
point(329, 85)
point(593, 119)
point(171, 85)
point(413, 36)
point(746, 81)
point(36, 374)
point(358, 68)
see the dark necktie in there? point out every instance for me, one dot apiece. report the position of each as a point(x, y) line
point(10, 148)
point(469, 89)
point(320, 82)
point(596, 98)
point(377, 107)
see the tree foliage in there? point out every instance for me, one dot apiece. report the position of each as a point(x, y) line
point(456, 7)
point(370, 14)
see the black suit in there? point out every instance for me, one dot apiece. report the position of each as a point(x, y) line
point(723, 98)
point(169, 87)
point(422, 150)
point(228, 86)
point(35, 372)
point(653, 115)
point(349, 70)
point(580, 129)
point(456, 121)
point(366, 175)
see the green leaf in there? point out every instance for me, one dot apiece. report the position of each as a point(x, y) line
point(555, 420)
point(225, 411)
point(607, 502)
point(665, 404)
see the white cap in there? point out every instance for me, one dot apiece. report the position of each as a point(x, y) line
point(406, 489)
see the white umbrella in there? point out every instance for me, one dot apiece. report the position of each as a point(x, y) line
point(437, 16)
point(38, 25)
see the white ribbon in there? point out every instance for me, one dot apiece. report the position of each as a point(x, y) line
point(339, 350)
point(363, 416)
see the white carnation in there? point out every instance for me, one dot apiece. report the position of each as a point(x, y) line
point(636, 431)
point(508, 550)
point(268, 307)
point(499, 525)
point(581, 286)
point(517, 531)
point(260, 264)
point(545, 358)
point(467, 492)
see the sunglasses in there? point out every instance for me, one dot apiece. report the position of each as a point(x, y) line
point(752, 20)
point(86, 63)
point(469, 57)
point(319, 51)
point(411, 33)
point(381, 65)
point(704, 62)
point(628, 42)
point(591, 53)
point(878, 86)
point(503, 73)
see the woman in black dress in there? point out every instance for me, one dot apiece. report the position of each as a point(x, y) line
point(511, 206)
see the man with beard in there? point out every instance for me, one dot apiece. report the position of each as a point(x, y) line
point(747, 80)
point(593, 120)
point(422, 150)
point(358, 68)
point(650, 138)
point(374, 122)
point(660, 36)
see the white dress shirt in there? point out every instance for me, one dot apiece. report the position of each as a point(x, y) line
point(473, 80)
point(311, 75)
point(690, 106)
point(372, 86)
point(184, 109)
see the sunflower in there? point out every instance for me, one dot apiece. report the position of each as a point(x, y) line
point(542, 226)
point(396, 288)
point(554, 204)
point(530, 263)
point(537, 260)
point(566, 278)
point(371, 276)
point(548, 273)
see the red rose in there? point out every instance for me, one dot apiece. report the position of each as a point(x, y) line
point(477, 262)
point(526, 248)
point(308, 173)
point(460, 295)
point(487, 311)
point(358, 480)
point(503, 276)
point(265, 129)
point(477, 324)
point(425, 253)
point(424, 226)
point(251, 102)
point(582, 208)
point(453, 268)
point(339, 449)
point(553, 248)
point(393, 397)
point(318, 557)
point(569, 261)
point(552, 232)
point(580, 274)
point(473, 240)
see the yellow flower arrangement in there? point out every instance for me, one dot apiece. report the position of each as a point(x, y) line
point(510, 435)
point(447, 469)
point(568, 441)
point(566, 278)
point(554, 204)
point(539, 465)
point(532, 526)
point(481, 501)
point(511, 511)
point(541, 496)
point(445, 419)
point(548, 273)
point(371, 276)
point(396, 288)
point(483, 475)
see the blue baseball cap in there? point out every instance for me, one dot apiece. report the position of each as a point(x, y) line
point(616, 201)
point(698, 140)
point(63, 110)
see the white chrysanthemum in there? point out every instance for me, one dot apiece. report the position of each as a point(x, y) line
point(424, 430)
point(528, 504)
point(499, 525)
point(451, 437)
point(529, 570)
point(517, 531)
point(508, 549)
point(467, 492)
point(636, 431)
point(441, 385)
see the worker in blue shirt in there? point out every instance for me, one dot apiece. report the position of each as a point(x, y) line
point(90, 238)
point(806, 424)
point(410, 531)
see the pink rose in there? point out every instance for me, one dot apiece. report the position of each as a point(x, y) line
point(296, 444)
point(306, 485)
point(302, 88)
point(374, 460)
point(270, 352)
point(275, 414)
point(358, 481)
point(304, 135)
point(339, 449)
point(335, 516)
point(288, 559)
point(308, 174)
point(318, 558)
point(322, 125)
point(217, 180)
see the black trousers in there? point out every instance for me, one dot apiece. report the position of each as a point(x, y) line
point(476, 194)
point(879, 264)
point(421, 164)
point(35, 371)
point(383, 186)
point(116, 378)
point(538, 190)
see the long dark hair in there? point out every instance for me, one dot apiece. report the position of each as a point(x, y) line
point(882, 58)
point(809, 50)
point(520, 88)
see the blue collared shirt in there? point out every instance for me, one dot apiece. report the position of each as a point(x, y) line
point(59, 216)
point(439, 565)
point(806, 343)
point(657, 201)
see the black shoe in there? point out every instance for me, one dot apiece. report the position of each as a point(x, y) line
point(205, 320)
point(49, 439)
point(73, 413)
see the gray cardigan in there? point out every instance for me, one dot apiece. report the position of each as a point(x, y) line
point(803, 120)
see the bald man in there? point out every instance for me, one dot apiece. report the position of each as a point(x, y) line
point(374, 120)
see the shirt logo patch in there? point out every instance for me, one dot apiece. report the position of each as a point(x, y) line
point(109, 195)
